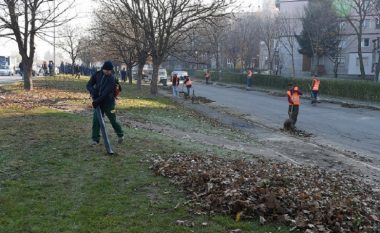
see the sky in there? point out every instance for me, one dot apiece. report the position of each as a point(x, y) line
point(83, 9)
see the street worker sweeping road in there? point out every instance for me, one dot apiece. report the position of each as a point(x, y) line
point(293, 94)
point(315, 89)
point(175, 84)
point(188, 84)
point(102, 89)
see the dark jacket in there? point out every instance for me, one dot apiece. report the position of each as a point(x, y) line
point(102, 88)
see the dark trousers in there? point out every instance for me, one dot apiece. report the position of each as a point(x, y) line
point(188, 90)
point(109, 111)
point(249, 81)
point(293, 113)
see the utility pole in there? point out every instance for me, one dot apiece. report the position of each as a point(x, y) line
point(53, 35)
point(54, 40)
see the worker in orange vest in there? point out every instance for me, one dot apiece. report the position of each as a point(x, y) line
point(207, 76)
point(315, 89)
point(188, 84)
point(294, 101)
point(249, 78)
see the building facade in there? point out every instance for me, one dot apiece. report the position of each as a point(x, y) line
point(349, 59)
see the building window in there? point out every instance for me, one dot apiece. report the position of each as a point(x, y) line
point(365, 42)
point(377, 23)
point(342, 44)
point(342, 26)
point(366, 23)
point(340, 59)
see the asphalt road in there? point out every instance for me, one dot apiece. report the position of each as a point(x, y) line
point(350, 129)
point(10, 79)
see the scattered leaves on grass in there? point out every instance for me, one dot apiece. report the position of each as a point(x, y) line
point(308, 198)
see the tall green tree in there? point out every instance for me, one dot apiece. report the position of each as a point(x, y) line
point(320, 30)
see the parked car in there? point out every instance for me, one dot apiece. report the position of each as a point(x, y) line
point(6, 70)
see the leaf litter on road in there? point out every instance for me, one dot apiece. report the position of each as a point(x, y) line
point(309, 199)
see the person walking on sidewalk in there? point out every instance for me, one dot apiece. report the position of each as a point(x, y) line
point(175, 84)
point(101, 87)
point(188, 84)
point(294, 103)
point(77, 71)
point(123, 74)
point(249, 78)
point(207, 76)
point(315, 89)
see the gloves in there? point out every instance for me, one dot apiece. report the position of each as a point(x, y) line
point(95, 103)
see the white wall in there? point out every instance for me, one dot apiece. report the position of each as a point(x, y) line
point(353, 63)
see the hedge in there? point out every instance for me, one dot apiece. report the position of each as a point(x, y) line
point(353, 89)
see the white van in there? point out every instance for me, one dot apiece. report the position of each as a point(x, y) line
point(146, 72)
point(162, 76)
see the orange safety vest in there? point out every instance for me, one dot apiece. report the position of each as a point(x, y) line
point(189, 82)
point(296, 97)
point(250, 73)
point(316, 84)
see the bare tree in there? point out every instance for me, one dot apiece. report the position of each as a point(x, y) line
point(214, 35)
point(71, 43)
point(87, 53)
point(231, 46)
point(269, 31)
point(376, 42)
point(287, 37)
point(336, 48)
point(122, 37)
point(166, 22)
point(356, 12)
point(24, 20)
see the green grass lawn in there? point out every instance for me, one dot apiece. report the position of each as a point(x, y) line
point(51, 180)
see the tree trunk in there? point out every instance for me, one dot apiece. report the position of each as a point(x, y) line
point(154, 82)
point(139, 74)
point(360, 54)
point(336, 70)
point(130, 74)
point(218, 62)
point(293, 67)
point(27, 74)
point(377, 69)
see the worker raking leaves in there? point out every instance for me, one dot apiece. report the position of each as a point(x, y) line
point(294, 101)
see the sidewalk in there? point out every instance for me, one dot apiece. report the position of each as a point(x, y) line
point(345, 102)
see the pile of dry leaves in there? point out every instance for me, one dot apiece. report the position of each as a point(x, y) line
point(38, 98)
point(307, 198)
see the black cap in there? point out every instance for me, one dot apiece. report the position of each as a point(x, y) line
point(107, 65)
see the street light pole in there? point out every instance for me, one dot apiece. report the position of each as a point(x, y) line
point(53, 34)
point(54, 40)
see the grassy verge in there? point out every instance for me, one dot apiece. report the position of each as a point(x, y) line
point(52, 181)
